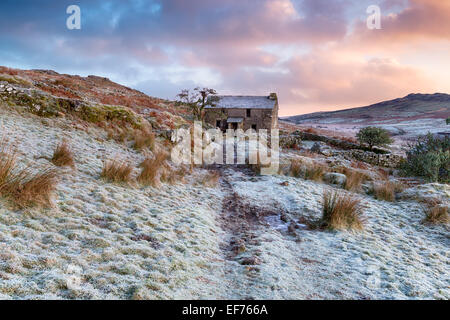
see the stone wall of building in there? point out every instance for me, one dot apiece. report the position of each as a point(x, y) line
point(262, 118)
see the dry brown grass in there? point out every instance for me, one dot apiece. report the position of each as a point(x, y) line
point(117, 171)
point(173, 176)
point(63, 155)
point(341, 211)
point(28, 189)
point(143, 139)
point(355, 179)
point(359, 165)
point(24, 187)
point(315, 172)
point(309, 171)
point(436, 213)
point(384, 191)
point(8, 160)
point(150, 168)
point(211, 179)
point(296, 168)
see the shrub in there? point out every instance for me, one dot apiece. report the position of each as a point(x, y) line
point(385, 191)
point(341, 211)
point(374, 136)
point(117, 171)
point(150, 168)
point(63, 156)
point(436, 214)
point(428, 158)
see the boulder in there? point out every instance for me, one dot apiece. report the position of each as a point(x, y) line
point(335, 178)
point(316, 148)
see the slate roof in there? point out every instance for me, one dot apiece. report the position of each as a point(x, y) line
point(244, 102)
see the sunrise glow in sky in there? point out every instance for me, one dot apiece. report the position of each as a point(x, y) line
point(316, 54)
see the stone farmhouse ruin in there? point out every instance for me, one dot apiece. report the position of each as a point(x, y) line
point(243, 112)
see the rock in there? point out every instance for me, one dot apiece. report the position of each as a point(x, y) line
point(335, 178)
point(250, 261)
point(292, 226)
point(284, 183)
point(316, 148)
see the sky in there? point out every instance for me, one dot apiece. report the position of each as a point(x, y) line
point(317, 55)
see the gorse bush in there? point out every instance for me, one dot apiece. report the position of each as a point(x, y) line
point(429, 158)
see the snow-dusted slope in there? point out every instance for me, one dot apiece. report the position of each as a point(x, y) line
point(88, 245)
point(107, 241)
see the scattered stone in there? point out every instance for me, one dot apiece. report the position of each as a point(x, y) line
point(284, 183)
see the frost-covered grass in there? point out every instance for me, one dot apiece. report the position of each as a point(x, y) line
point(113, 241)
point(103, 240)
point(394, 257)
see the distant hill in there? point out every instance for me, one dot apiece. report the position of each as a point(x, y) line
point(411, 107)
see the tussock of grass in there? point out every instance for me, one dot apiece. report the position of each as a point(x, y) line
point(24, 187)
point(355, 179)
point(117, 171)
point(8, 159)
point(173, 177)
point(63, 155)
point(436, 214)
point(150, 168)
point(315, 172)
point(296, 168)
point(144, 138)
point(27, 189)
point(309, 171)
point(211, 179)
point(385, 191)
point(341, 211)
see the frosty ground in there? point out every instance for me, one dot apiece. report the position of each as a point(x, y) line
point(105, 241)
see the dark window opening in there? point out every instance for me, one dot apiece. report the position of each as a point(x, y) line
point(218, 122)
point(249, 113)
point(254, 127)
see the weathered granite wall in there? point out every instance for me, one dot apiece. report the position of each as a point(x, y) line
point(383, 160)
point(342, 144)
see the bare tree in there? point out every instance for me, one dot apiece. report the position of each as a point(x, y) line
point(198, 99)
